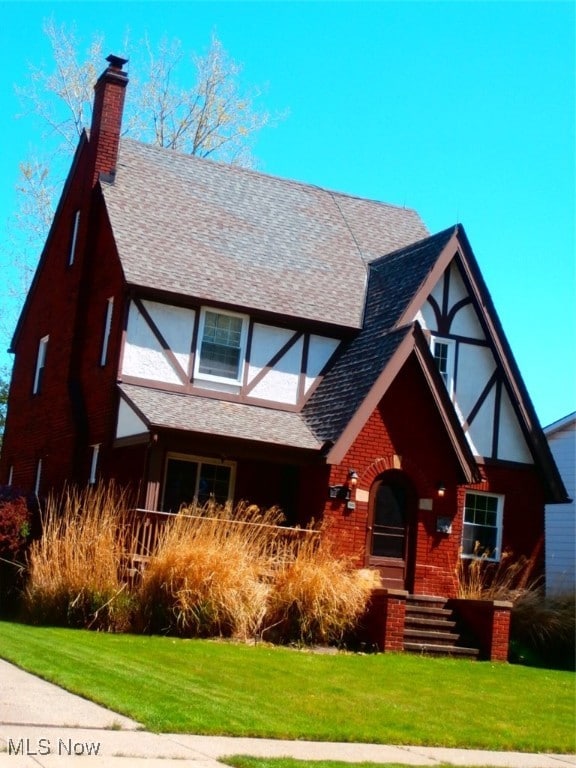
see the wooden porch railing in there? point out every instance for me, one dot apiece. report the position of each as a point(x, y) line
point(281, 541)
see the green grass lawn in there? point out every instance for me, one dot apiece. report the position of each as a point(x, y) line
point(211, 687)
point(240, 761)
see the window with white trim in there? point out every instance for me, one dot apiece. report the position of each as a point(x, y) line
point(443, 353)
point(221, 346)
point(94, 463)
point(40, 363)
point(482, 528)
point(107, 327)
point(195, 480)
point(74, 238)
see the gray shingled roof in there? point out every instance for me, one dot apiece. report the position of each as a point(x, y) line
point(171, 410)
point(226, 234)
point(392, 284)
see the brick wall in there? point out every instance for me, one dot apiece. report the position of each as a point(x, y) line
point(405, 434)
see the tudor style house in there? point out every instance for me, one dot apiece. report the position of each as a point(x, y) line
point(199, 330)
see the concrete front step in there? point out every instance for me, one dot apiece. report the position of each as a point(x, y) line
point(435, 637)
point(434, 649)
point(431, 628)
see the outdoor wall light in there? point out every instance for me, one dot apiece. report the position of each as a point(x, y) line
point(352, 478)
point(441, 489)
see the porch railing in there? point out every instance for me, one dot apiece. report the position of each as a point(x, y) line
point(282, 542)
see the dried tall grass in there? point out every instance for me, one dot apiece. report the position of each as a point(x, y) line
point(480, 578)
point(209, 573)
point(316, 597)
point(75, 569)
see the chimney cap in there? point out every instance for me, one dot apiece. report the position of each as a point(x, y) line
point(116, 62)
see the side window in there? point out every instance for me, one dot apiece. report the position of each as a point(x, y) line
point(221, 346)
point(482, 529)
point(107, 327)
point(38, 478)
point(74, 238)
point(94, 463)
point(40, 364)
point(443, 352)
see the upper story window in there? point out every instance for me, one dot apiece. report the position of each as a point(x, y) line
point(221, 346)
point(40, 363)
point(482, 529)
point(107, 327)
point(74, 238)
point(443, 352)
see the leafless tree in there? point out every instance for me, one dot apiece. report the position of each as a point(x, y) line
point(209, 115)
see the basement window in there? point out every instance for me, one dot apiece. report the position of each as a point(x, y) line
point(221, 347)
point(194, 480)
point(40, 364)
point(482, 529)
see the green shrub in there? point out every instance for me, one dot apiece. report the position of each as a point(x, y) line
point(543, 630)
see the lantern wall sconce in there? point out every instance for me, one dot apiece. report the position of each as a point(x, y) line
point(441, 490)
point(343, 491)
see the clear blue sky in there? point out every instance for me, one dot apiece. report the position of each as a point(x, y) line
point(462, 110)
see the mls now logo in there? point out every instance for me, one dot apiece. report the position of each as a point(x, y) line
point(30, 747)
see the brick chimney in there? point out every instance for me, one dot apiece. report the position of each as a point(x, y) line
point(109, 93)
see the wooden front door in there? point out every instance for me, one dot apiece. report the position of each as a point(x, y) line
point(388, 539)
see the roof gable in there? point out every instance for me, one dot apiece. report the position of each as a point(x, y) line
point(227, 235)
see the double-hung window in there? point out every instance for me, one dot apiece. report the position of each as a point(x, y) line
point(221, 346)
point(443, 353)
point(193, 480)
point(482, 529)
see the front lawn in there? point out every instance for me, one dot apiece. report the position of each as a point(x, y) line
point(211, 687)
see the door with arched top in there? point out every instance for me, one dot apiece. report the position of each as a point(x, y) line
point(389, 541)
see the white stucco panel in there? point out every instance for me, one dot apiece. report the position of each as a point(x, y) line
point(267, 341)
point(143, 355)
point(129, 423)
point(465, 323)
point(457, 290)
point(482, 428)
point(426, 318)
point(280, 384)
point(320, 350)
point(511, 443)
point(476, 364)
point(176, 324)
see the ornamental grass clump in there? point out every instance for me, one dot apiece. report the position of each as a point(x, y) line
point(316, 597)
point(209, 574)
point(481, 578)
point(75, 569)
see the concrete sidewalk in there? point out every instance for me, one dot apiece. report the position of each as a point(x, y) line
point(43, 725)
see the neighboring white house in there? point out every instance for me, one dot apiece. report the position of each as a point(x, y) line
point(561, 518)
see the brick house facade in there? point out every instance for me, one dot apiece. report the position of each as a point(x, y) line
point(202, 331)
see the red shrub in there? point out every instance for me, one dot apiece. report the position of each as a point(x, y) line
point(15, 522)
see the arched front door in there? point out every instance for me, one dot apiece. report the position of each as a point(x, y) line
point(388, 545)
